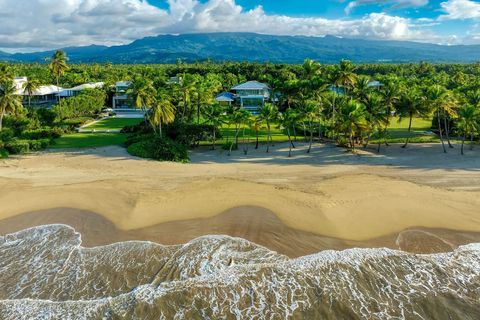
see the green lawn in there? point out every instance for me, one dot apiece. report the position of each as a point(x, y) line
point(114, 123)
point(89, 140)
point(398, 131)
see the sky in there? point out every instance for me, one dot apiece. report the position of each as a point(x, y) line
point(31, 25)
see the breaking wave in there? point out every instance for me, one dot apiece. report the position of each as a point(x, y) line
point(46, 273)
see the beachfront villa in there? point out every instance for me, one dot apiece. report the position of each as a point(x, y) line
point(250, 95)
point(47, 95)
point(121, 100)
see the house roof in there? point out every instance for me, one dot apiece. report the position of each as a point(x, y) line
point(251, 85)
point(375, 83)
point(225, 97)
point(123, 83)
point(89, 85)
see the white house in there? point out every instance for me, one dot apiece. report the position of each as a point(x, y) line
point(71, 92)
point(121, 101)
point(250, 95)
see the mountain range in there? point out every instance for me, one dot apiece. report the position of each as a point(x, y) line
point(260, 48)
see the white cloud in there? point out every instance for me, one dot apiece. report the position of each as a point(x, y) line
point(48, 24)
point(460, 10)
point(394, 4)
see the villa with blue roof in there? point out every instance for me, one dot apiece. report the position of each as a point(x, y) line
point(250, 95)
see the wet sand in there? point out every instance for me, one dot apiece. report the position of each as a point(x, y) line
point(252, 223)
point(417, 199)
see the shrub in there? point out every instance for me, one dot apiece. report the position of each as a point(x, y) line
point(42, 133)
point(18, 146)
point(159, 149)
point(6, 134)
point(191, 134)
point(3, 153)
point(34, 145)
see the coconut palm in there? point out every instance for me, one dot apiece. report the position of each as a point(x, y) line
point(239, 117)
point(268, 114)
point(255, 125)
point(310, 112)
point(9, 100)
point(377, 117)
point(163, 112)
point(345, 75)
point(469, 123)
point(214, 115)
point(143, 93)
point(390, 96)
point(352, 120)
point(30, 87)
point(287, 121)
point(440, 101)
point(410, 104)
point(58, 65)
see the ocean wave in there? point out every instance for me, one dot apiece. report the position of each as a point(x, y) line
point(46, 273)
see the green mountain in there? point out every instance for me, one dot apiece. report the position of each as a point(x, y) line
point(256, 47)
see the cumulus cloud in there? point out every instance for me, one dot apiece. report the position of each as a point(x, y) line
point(460, 10)
point(49, 24)
point(393, 4)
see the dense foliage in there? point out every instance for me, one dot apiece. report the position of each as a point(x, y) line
point(342, 103)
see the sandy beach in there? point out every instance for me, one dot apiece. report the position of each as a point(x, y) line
point(416, 199)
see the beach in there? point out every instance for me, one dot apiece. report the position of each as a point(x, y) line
point(416, 199)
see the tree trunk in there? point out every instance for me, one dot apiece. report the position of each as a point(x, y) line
point(463, 142)
point(440, 131)
point(409, 130)
point(1, 118)
point(291, 143)
point(236, 139)
point(447, 129)
point(160, 129)
point(471, 141)
point(256, 143)
point(214, 138)
point(29, 101)
point(268, 137)
point(311, 137)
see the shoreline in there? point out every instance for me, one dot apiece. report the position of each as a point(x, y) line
point(257, 225)
point(329, 193)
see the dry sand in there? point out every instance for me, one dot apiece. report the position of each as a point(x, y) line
point(328, 199)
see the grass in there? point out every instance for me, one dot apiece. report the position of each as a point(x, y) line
point(89, 140)
point(114, 123)
point(398, 131)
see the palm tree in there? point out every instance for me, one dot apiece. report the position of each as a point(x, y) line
point(345, 75)
point(255, 126)
point(213, 114)
point(143, 94)
point(163, 112)
point(377, 117)
point(30, 87)
point(409, 105)
point(352, 120)
point(9, 100)
point(439, 100)
point(238, 118)
point(287, 121)
point(310, 113)
point(390, 96)
point(469, 122)
point(268, 114)
point(58, 65)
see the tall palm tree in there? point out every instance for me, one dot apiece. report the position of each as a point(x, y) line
point(30, 87)
point(214, 115)
point(256, 126)
point(268, 114)
point(310, 113)
point(9, 100)
point(352, 120)
point(287, 121)
point(58, 65)
point(143, 94)
point(163, 111)
point(439, 100)
point(345, 75)
point(238, 118)
point(410, 104)
point(469, 122)
point(390, 96)
point(378, 117)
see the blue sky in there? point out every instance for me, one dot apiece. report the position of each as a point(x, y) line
point(30, 25)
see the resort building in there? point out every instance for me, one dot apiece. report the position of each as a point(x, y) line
point(121, 101)
point(72, 92)
point(250, 95)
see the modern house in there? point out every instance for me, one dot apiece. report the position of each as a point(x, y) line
point(121, 101)
point(72, 92)
point(250, 95)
